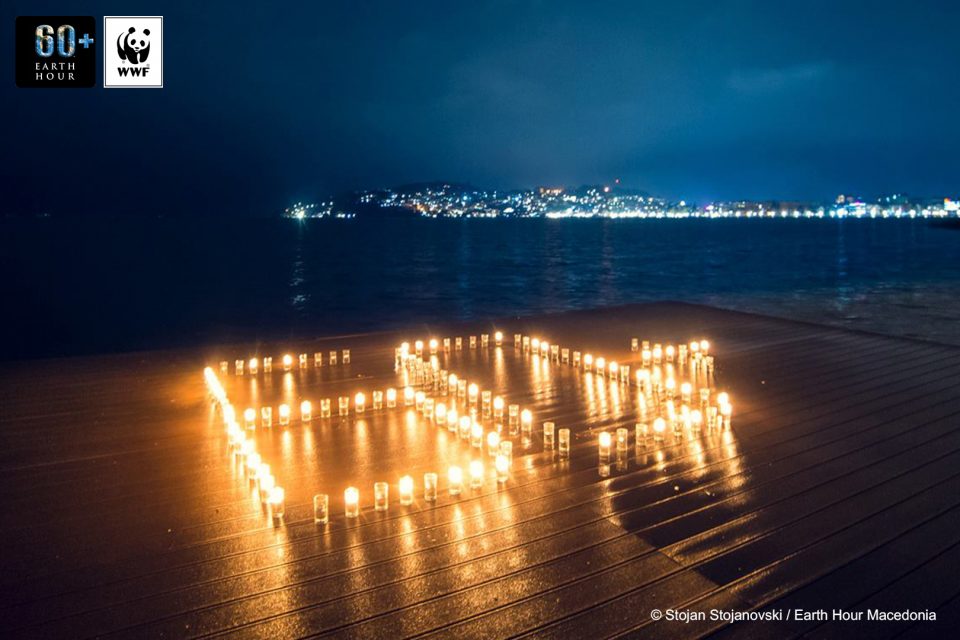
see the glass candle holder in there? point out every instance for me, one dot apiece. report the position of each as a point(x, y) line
point(601, 365)
point(283, 415)
point(325, 411)
point(351, 502)
point(493, 443)
point(321, 508)
point(623, 438)
point(535, 345)
point(332, 357)
point(277, 502)
point(634, 344)
point(657, 354)
point(548, 434)
point(506, 450)
point(458, 342)
point(381, 496)
point(587, 361)
point(503, 468)
point(696, 421)
point(498, 338)
point(670, 353)
point(640, 433)
point(484, 340)
point(267, 364)
point(473, 342)
point(526, 421)
point(452, 382)
point(659, 428)
point(476, 474)
point(318, 362)
point(406, 490)
point(303, 361)
point(377, 399)
point(461, 389)
point(726, 413)
point(429, 410)
point(453, 419)
point(345, 356)
point(486, 403)
point(513, 414)
point(266, 416)
point(250, 418)
point(565, 355)
point(476, 435)
point(455, 480)
point(418, 347)
point(419, 398)
point(517, 340)
point(343, 404)
point(287, 362)
point(391, 398)
point(576, 359)
point(224, 367)
point(359, 402)
point(646, 357)
point(409, 396)
point(465, 424)
point(473, 393)
point(252, 366)
point(265, 485)
point(604, 442)
point(446, 344)
point(434, 345)
point(498, 408)
point(563, 442)
point(430, 487)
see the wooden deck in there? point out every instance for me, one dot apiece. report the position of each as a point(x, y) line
point(837, 488)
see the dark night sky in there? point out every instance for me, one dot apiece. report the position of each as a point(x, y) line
point(266, 102)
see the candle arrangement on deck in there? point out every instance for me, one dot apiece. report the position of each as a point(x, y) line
point(670, 388)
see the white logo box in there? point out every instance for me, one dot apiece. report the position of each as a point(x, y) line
point(133, 52)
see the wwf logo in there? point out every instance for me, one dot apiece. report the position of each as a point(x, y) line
point(134, 47)
point(137, 59)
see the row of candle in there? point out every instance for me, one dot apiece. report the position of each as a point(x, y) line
point(434, 344)
point(270, 494)
point(253, 365)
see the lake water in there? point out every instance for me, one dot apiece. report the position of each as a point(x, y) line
point(73, 287)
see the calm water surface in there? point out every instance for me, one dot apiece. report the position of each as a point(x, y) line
point(74, 287)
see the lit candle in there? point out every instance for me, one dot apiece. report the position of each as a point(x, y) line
point(277, 505)
point(252, 366)
point(498, 338)
point(430, 487)
point(634, 345)
point(473, 392)
point(266, 484)
point(670, 352)
point(486, 402)
point(434, 344)
point(614, 370)
point(408, 396)
point(503, 468)
point(563, 439)
point(318, 362)
point(696, 420)
point(351, 502)
point(455, 478)
point(461, 389)
point(686, 391)
point(452, 419)
point(250, 418)
point(391, 398)
point(465, 425)
point(452, 383)
point(321, 508)
point(625, 373)
point(238, 367)
point(506, 450)
point(657, 354)
point(476, 474)
point(565, 355)
point(601, 366)
point(306, 411)
point(641, 433)
point(303, 361)
point(359, 402)
point(344, 404)
point(377, 399)
point(498, 408)
point(459, 343)
point(446, 344)
point(325, 410)
point(726, 410)
point(283, 412)
point(576, 359)
point(419, 398)
point(441, 414)
point(476, 435)
point(604, 442)
point(287, 361)
point(224, 367)
point(526, 421)
point(535, 344)
point(484, 340)
point(266, 416)
point(418, 346)
point(493, 443)
point(381, 496)
point(723, 398)
point(267, 364)
point(645, 357)
point(704, 347)
point(659, 427)
point(587, 361)
point(406, 490)
point(548, 430)
point(623, 438)
point(332, 357)
point(513, 416)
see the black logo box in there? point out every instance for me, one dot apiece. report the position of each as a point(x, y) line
point(83, 60)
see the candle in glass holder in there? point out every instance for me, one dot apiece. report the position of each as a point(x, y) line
point(604, 444)
point(283, 414)
point(406, 490)
point(548, 431)
point(391, 398)
point(634, 344)
point(250, 418)
point(266, 485)
point(419, 399)
point(503, 468)
point(455, 480)
point(430, 487)
point(640, 434)
point(306, 411)
point(458, 343)
point(287, 362)
point(381, 496)
point(625, 373)
point(657, 354)
point(486, 402)
point(418, 347)
point(476, 474)
point(484, 340)
point(623, 438)
point(535, 345)
point(452, 383)
point(646, 357)
point(253, 466)
point(506, 450)
point(441, 414)
point(513, 414)
point(277, 502)
point(601, 366)
point(563, 440)
point(343, 402)
point(726, 411)
point(409, 396)
point(461, 389)
point(332, 357)
point(473, 392)
point(224, 367)
point(266, 416)
point(576, 359)
point(453, 419)
point(704, 396)
point(325, 410)
point(686, 392)
point(303, 361)
point(238, 367)
point(696, 421)
point(321, 508)
point(252, 366)
point(723, 398)
point(498, 338)
point(493, 443)
point(526, 421)
point(351, 502)
point(473, 342)
point(670, 352)
point(587, 361)
point(318, 362)
point(434, 345)
point(613, 370)
point(359, 402)
point(659, 428)
point(476, 435)
point(377, 399)
point(498, 408)
point(446, 344)
point(465, 424)
point(565, 355)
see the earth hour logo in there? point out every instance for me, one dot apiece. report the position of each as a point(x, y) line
point(55, 51)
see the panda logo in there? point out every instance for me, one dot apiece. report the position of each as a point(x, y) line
point(132, 47)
